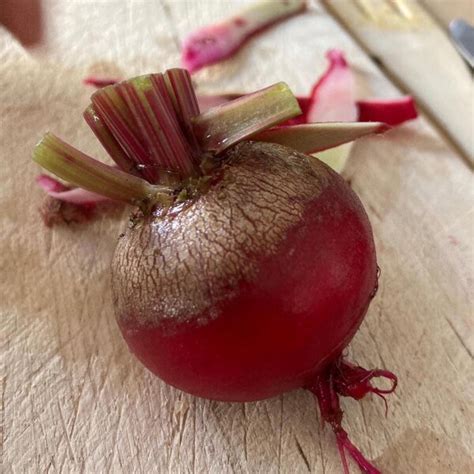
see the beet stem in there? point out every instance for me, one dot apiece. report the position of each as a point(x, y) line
point(213, 43)
point(81, 170)
point(181, 91)
point(227, 124)
point(141, 115)
point(111, 107)
point(107, 140)
point(152, 128)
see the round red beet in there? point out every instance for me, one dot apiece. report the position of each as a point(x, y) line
point(254, 286)
point(248, 267)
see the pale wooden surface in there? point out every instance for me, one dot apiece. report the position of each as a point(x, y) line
point(74, 400)
point(419, 56)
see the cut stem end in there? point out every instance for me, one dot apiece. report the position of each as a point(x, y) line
point(227, 124)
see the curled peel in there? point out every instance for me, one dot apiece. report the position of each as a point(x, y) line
point(57, 190)
point(332, 97)
point(64, 205)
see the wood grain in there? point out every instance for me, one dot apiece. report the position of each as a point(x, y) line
point(74, 400)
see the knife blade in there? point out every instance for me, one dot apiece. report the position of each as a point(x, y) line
point(462, 34)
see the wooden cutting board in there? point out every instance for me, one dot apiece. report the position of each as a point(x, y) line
point(74, 399)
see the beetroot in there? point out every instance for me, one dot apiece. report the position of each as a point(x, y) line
point(253, 293)
point(248, 266)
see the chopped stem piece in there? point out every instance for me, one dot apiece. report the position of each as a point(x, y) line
point(216, 42)
point(313, 137)
point(229, 123)
point(103, 134)
point(81, 170)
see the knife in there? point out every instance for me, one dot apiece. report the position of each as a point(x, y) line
point(462, 34)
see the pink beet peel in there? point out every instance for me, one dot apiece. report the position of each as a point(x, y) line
point(214, 43)
point(58, 190)
point(65, 205)
point(98, 82)
point(391, 111)
point(332, 97)
point(229, 282)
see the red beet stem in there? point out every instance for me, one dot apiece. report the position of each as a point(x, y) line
point(342, 378)
point(149, 126)
point(149, 117)
point(108, 141)
point(181, 91)
point(114, 112)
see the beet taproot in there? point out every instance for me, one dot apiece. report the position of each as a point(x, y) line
point(248, 266)
point(247, 290)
